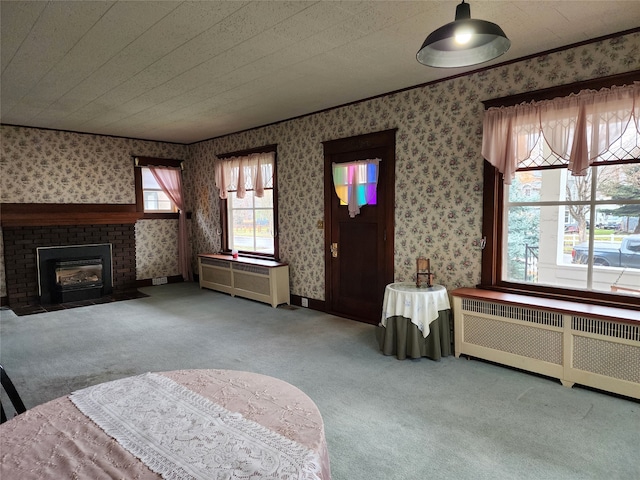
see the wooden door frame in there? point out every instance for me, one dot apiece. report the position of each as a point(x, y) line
point(382, 139)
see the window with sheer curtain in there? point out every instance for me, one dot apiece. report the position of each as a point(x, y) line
point(159, 195)
point(154, 198)
point(246, 185)
point(570, 197)
point(574, 131)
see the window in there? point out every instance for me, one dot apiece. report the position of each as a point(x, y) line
point(247, 184)
point(150, 198)
point(250, 223)
point(155, 200)
point(541, 248)
point(552, 233)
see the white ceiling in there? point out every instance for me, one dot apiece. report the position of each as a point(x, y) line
point(188, 71)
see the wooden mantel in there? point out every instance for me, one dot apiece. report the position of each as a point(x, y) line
point(50, 214)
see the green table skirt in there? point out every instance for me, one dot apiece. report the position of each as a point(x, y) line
point(402, 338)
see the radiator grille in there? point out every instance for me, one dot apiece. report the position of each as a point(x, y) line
point(251, 269)
point(623, 331)
point(221, 277)
point(540, 317)
point(252, 283)
point(215, 262)
point(530, 342)
point(611, 359)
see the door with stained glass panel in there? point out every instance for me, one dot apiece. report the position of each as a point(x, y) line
point(359, 247)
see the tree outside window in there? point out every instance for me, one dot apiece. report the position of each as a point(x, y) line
point(624, 216)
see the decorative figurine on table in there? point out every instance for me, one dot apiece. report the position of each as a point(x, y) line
point(424, 275)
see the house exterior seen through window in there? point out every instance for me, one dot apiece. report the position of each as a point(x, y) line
point(576, 232)
point(155, 200)
point(251, 226)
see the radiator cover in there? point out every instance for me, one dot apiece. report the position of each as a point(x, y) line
point(603, 354)
point(246, 278)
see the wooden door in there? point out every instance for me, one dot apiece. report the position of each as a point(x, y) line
point(361, 263)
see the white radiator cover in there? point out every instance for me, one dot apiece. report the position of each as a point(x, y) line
point(603, 354)
point(243, 278)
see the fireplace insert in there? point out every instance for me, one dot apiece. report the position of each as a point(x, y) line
point(74, 277)
point(74, 273)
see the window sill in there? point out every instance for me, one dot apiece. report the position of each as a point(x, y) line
point(251, 256)
point(162, 216)
point(258, 261)
point(619, 313)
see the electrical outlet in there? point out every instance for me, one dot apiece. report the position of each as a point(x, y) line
point(305, 302)
point(320, 224)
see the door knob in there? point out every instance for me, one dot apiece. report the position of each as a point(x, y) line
point(334, 250)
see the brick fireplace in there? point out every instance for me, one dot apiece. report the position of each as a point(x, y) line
point(28, 227)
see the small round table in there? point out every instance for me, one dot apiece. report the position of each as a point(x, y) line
point(416, 321)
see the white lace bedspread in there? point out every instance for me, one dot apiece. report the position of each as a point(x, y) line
point(181, 435)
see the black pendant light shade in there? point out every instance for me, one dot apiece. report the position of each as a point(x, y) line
point(463, 42)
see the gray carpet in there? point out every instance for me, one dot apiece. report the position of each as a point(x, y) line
point(385, 419)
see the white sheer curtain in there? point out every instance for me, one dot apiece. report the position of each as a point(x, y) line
point(578, 129)
point(246, 173)
point(356, 183)
point(170, 180)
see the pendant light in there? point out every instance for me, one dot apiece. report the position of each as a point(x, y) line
point(463, 42)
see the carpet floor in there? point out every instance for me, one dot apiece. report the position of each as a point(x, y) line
point(385, 419)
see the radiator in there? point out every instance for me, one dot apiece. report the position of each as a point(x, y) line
point(603, 354)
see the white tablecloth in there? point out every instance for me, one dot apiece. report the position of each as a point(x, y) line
point(421, 305)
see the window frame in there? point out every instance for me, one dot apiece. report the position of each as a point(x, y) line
point(493, 213)
point(141, 162)
point(224, 217)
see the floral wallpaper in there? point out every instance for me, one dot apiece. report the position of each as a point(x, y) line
point(156, 248)
point(438, 210)
point(48, 166)
point(439, 166)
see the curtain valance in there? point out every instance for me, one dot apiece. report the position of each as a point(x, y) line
point(246, 173)
point(577, 129)
point(356, 183)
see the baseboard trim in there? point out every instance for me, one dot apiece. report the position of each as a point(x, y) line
point(148, 282)
point(314, 304)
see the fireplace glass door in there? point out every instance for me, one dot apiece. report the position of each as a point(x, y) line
point(78, 274)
